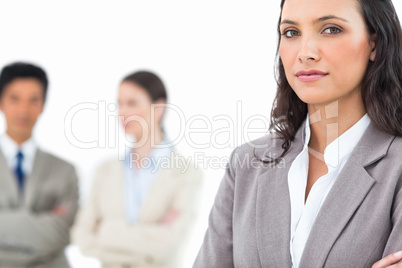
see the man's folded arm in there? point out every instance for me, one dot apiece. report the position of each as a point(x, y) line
point(30, 238)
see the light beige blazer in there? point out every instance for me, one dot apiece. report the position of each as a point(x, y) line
point(30, 234)
point(102, 230)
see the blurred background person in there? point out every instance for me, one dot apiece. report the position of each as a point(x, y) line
point(38, 191)
point(141, 210)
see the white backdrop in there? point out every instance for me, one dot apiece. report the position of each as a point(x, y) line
point(215, 57)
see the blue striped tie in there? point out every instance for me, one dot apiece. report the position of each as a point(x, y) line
point(19, 173)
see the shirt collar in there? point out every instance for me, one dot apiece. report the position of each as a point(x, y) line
point(343, 145)
point(10, 148)
point(159, 151)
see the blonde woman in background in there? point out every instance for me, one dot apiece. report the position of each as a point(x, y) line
point(141, 209)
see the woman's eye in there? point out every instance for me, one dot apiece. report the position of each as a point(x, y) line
point(291, 33)
point(332, 30)
point(132, 103)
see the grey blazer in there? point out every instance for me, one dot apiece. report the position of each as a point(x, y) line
point(30, 235)
point(359, 222)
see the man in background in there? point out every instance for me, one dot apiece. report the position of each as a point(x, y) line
point(38, 191)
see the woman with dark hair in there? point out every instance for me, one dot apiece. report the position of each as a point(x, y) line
point(324, 188)
point(141, 209)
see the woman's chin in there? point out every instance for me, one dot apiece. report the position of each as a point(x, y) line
point(315, 99)
point(131, 132)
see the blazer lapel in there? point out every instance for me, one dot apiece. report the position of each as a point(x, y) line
point(273, 206)
point(162, 190)
point(116, 204)
point(33, 181)
point(347, 193)
point(342, 201)
point(8, 184)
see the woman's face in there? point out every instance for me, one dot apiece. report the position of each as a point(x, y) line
point(134, 109)
point(325, 49)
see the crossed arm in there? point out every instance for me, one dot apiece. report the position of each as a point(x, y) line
point(28, 238)
point(114, 240)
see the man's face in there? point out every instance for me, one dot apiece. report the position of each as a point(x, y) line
point(22, 102)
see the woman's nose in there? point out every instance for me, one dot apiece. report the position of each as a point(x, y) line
point(309, 51)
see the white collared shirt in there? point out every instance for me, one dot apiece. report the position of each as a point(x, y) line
point(304, 214)
point(10, 148)
point(138, 183)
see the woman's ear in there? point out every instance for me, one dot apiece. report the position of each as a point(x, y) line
point(373, 46)
point(159, 109)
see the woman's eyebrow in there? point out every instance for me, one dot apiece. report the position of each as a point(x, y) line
point(289, 22)
point(329, 17)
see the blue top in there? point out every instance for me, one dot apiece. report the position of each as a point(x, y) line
point(138, 182)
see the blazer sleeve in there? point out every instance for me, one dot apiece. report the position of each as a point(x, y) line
point(84, 231)
point(394, 242)
point(217, 248)
point(28, 238)
point(156, 242)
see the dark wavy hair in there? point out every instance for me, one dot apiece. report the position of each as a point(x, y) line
point(381, 87)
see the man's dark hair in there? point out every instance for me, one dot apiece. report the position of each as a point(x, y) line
point(22, 70)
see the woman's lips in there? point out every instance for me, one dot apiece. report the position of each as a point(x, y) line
point(310, 75)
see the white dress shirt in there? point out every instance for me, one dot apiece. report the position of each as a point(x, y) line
point(10, 148)
point(138, 182)
point(304, 214)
